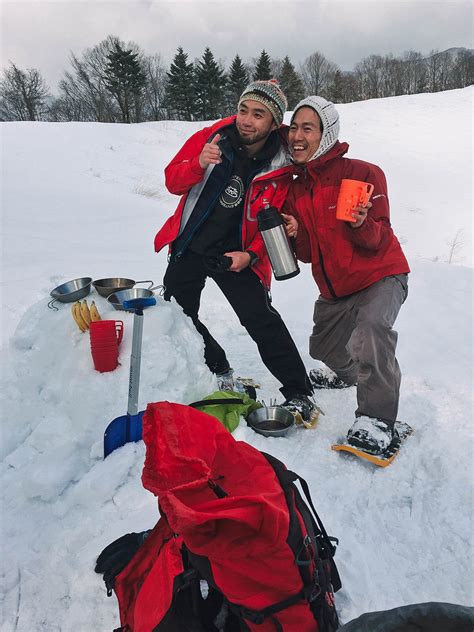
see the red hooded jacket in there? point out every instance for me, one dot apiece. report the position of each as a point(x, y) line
point(344, 260)
point(184, 176)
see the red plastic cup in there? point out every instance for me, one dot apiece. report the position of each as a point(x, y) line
point(105, 336)
point(106, 330)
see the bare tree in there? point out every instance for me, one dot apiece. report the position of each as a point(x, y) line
point(455, 245)
point(370, 75)
point(414, 74)
point(318, 74)
point(446, 71)
point(433, 71)
point(393, 77)
point(24, 95)
point(83, 92)
point(275, 66)
point(155, 88)
point(463, 69)
point(344, 88)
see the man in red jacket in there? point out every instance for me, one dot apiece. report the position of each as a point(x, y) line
point(360, 270)
point(226, 174)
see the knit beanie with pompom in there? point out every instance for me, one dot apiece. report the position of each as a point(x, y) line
point(269, 93)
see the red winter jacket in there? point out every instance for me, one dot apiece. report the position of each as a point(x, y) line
point(344, 260)
point(184, 176)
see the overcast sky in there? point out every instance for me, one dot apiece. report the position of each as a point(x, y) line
point(41, 34)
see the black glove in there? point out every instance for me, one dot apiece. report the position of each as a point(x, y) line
point(115, 557)
point(217, 264)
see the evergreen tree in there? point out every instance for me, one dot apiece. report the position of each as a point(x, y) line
point(180, 95)
point(125, 79)
point(263, 66)
point(291, 83)
point(237, 81)
point(210, 84)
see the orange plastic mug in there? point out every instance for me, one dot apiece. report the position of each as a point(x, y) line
point(352, 193)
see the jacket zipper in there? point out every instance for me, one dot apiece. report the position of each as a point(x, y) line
point(244, 213)
point(321, 260)
point(203, 219)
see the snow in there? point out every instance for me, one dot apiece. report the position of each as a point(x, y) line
point(86, 200)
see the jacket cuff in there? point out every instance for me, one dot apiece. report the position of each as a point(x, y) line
point(253, 257)
point(196, 167)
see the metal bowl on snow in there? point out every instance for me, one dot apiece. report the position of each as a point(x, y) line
point(271, 421)
point(106, 287)
point(117, 298)
point(71, 291)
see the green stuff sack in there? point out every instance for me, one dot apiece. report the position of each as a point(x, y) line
point(227, 406)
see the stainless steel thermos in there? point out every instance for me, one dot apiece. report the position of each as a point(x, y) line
point(277, 243)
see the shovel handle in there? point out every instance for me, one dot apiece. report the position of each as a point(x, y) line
point(139, 304)
point(135, 362)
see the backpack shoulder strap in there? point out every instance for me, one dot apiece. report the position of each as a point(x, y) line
point(287, 479)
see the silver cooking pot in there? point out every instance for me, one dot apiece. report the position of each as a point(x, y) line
point(71, 291)
point(271, 421)
point(117, 298)
point(106, 287)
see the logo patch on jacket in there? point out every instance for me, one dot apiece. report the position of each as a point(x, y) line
point(233, 193)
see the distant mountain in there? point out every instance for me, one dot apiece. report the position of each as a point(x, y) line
point(455, 50)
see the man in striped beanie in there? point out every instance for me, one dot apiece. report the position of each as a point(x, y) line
point(226, 174)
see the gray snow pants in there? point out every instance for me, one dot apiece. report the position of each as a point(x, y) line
point(353, 336)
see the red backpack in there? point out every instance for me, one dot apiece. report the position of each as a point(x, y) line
point(236, 547)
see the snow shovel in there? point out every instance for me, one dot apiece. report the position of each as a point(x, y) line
point(128, 427)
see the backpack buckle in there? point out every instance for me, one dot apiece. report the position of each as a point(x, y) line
point(253, 616)
point(315, 589)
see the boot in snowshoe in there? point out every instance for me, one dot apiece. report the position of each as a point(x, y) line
point(371, 434)
point(304, 410)
point(401, 432)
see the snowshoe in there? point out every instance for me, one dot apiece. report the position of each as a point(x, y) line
point(383, 459)
point(304, 410)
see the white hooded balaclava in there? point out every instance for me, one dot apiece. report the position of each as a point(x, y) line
point(329, 119)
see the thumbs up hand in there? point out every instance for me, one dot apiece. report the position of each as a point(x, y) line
point(210, 154)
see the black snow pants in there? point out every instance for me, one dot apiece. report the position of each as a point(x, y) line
point(184, 280)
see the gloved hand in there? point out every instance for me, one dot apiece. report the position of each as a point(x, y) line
point(217, 264)
point(115, 557)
